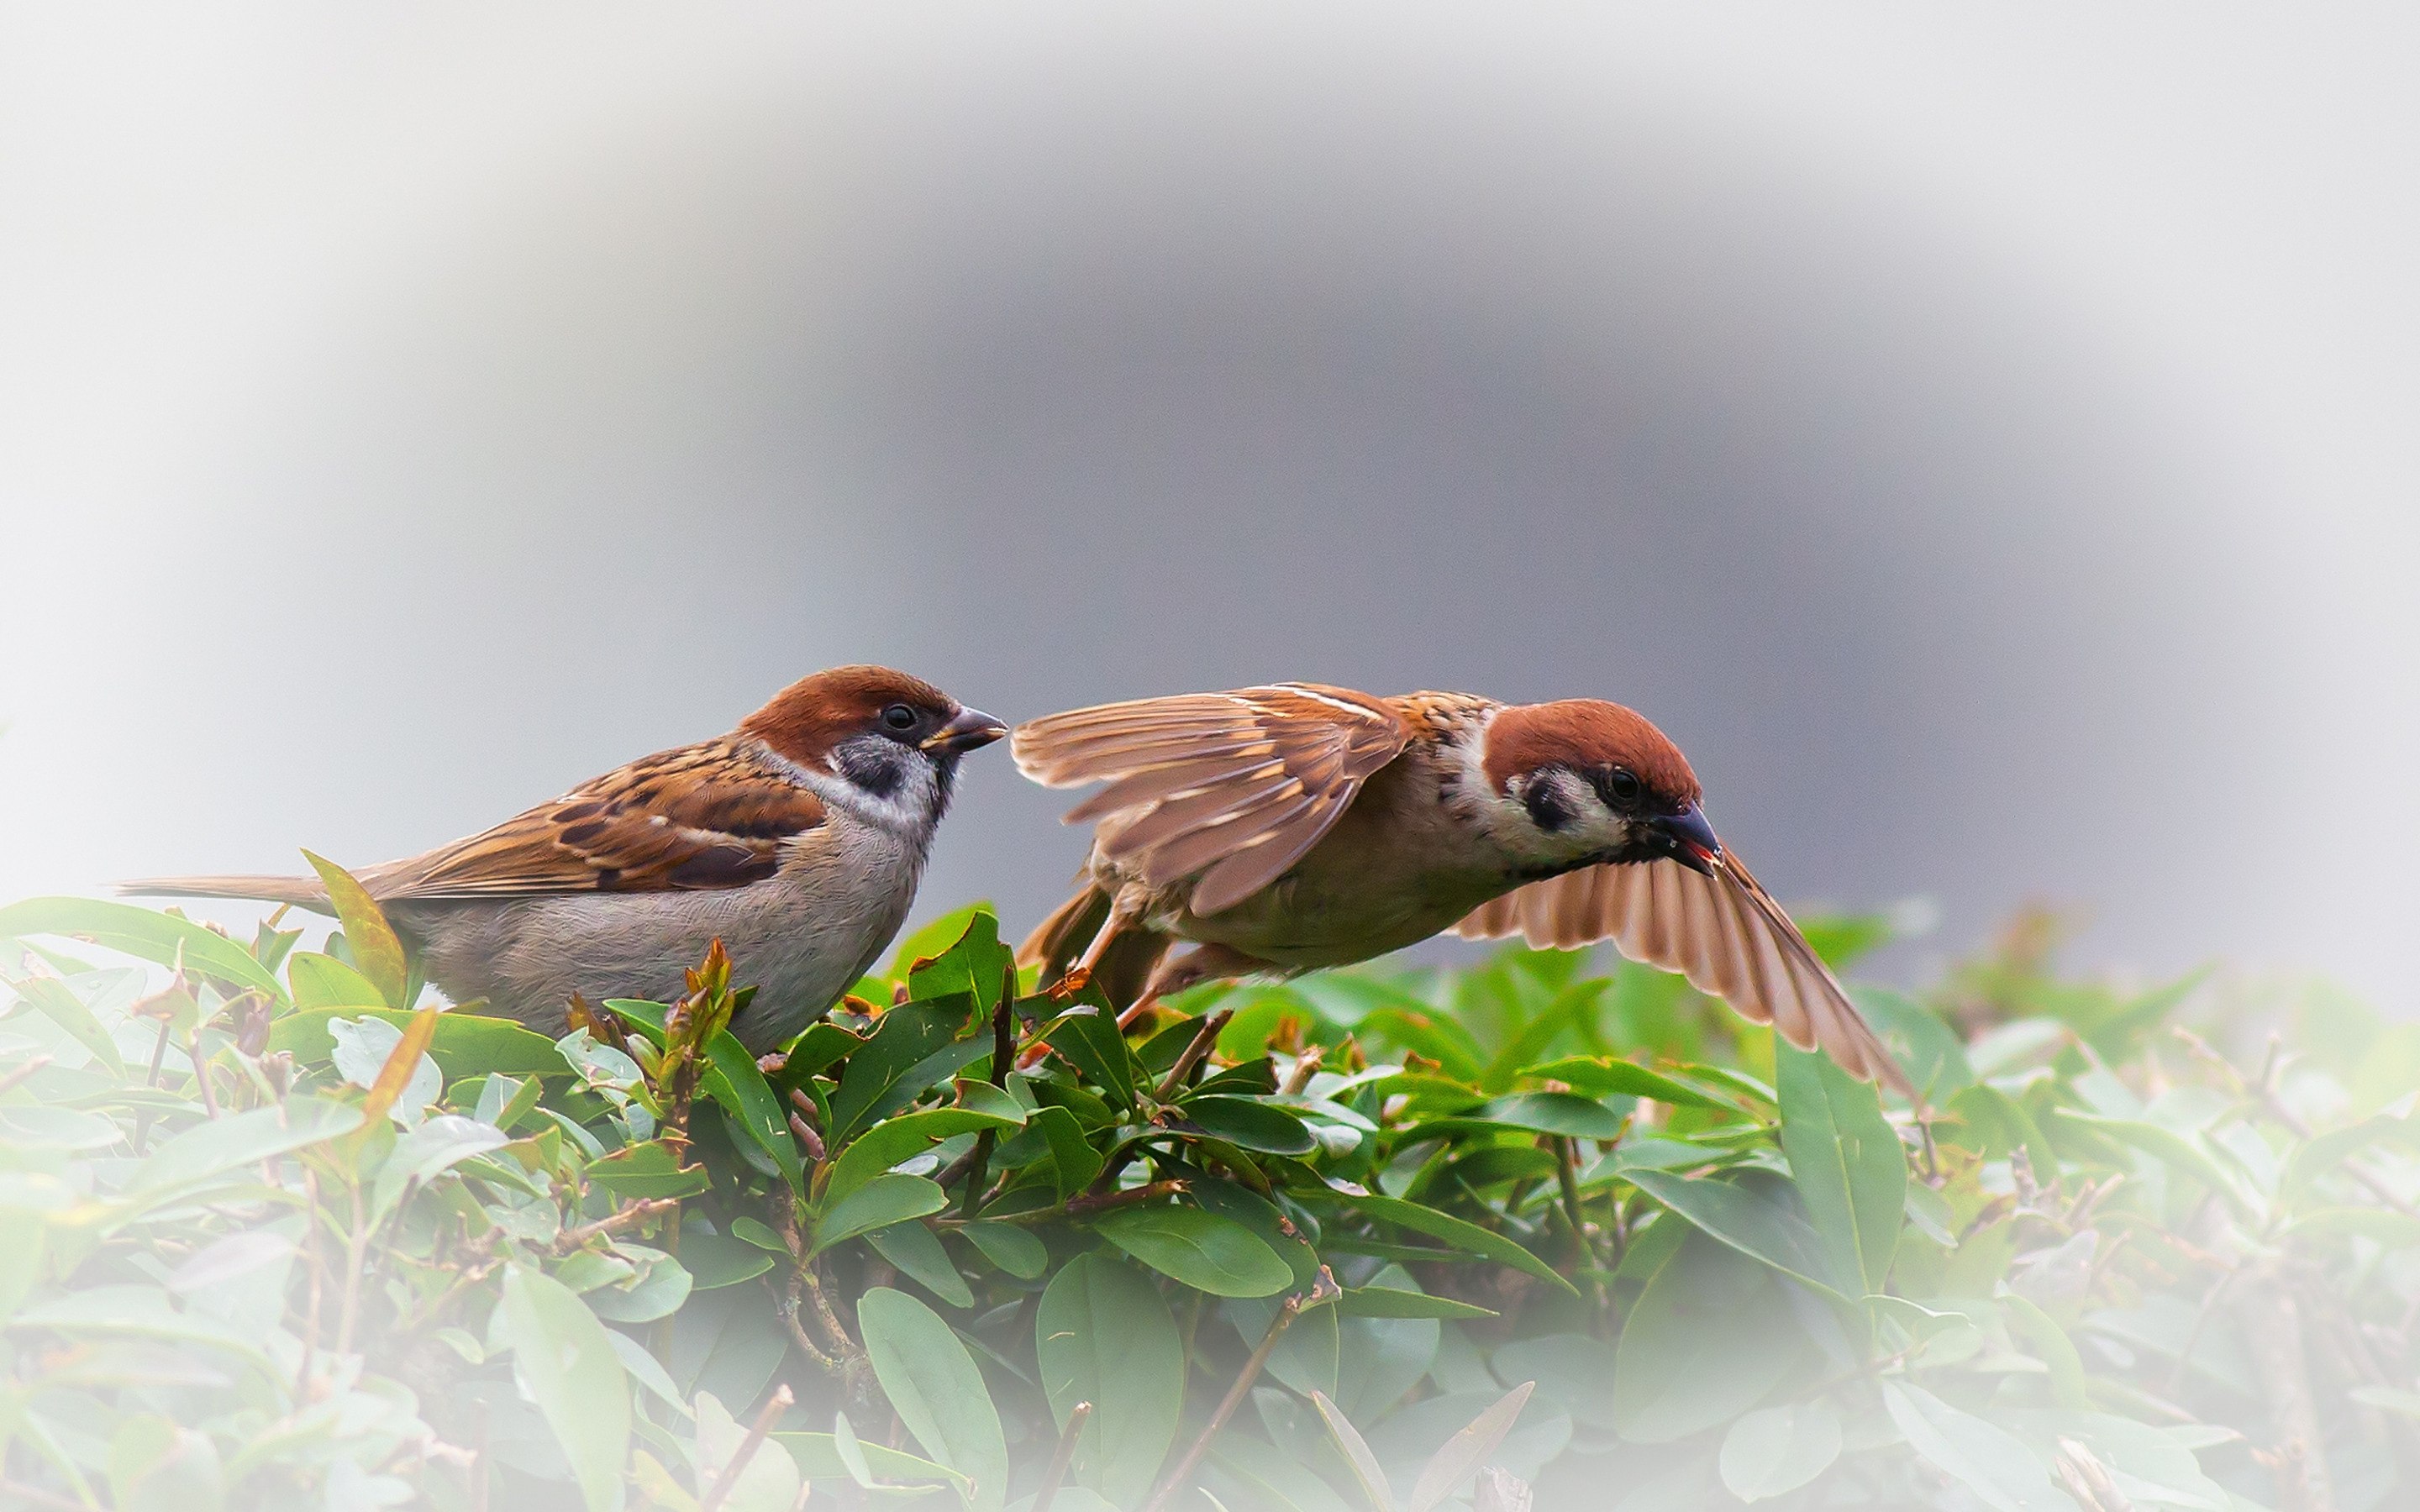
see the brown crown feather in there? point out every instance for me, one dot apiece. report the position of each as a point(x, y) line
point(1583, 733)
point(806, 719)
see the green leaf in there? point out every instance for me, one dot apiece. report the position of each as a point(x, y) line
point(1009, 1247)
point(145, 933)
point(156, 1466)
point(1780, 1449)
point(930, 942)
point(567, 1368)
point(1573, 1371)
point(892, 1197)
point(2182, 1153)
point(715, 1259)
point(1103, 1335)
point(975, 964)
point(1996, 1124)
point(660, 1285)
point(1604, 1075)
point(1076, 1162)
point(1365, 1469)
point(884, 1074)
point(1747, 1221)
point(852, 1454)
point(1202, 1250)
point(1846, 1161)
point(1394, 1302)
point(1466, 1237)
point(735, 1085)
point(367, 1047)
point(1549, 1112)
point(1706, 1340)
point(1463, 1454)
point(1249, 1124)
point(936, 1389)
point(768, 1482)
point(1932, 1055)
point(1998, 1469)
point(421, 1154)
point(893, 1140)
point(55, 1002)
point(918, 1254)
point(466, 1045)
point(325, 981)
point(218, 1146)
point(820, 1458)
point(1091, 1042)
point(372, 940)
point(645, 1172)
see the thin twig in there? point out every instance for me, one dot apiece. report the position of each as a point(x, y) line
point(17, 1076)
point(318, 1268)
point(1203, 1039)
point(774, 1408)
point(357, 1241)
point(790, 1311)
point(1003, 1055)
point(1096, 1202)
point(1227, 1405)
point(622, 1217)
point(1061, 1457)
point(202, 1076)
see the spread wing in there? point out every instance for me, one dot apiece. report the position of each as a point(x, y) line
point(699, 818)
point(1723, 932)
point(1233, 786)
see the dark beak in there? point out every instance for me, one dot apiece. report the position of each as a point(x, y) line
point(1691, 838)
point(972, 729)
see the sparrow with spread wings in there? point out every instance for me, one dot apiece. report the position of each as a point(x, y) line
point(798, 840)
point(1283, 828)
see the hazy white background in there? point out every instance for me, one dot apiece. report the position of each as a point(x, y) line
point(1985, 438)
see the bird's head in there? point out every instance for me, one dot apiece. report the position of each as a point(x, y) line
point(1581, 778)
point(892, 741)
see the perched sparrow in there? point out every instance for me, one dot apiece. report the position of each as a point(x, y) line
point(798, 840)
point(1285, 829)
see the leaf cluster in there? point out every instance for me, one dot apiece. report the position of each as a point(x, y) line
point(277, 1236)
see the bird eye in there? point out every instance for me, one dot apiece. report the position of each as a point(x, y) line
point(899, 717)
point(1623, 786)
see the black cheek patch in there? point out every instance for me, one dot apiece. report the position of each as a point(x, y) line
point(1546, 808)
point(868, 770)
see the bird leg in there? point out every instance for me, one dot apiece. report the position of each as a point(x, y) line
point(1203, 963)
point(1126, 909)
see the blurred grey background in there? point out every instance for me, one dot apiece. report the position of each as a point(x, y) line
point(1983, 438)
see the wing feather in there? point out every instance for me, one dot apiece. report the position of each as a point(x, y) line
point(1725, 932)
point(1233, 786)
point(699, 818)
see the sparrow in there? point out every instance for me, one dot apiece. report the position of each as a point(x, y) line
point(1279, 829)
point(798, 840)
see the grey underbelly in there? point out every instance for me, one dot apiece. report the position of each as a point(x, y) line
point(527, 956)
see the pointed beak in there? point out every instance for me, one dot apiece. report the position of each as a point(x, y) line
point(1691, 838)
point(971, 731)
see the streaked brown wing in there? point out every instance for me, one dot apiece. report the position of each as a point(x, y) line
point(1724, 932)
point(1235, 786)
point(699, 818)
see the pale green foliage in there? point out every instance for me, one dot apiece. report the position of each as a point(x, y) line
point(269, 1239)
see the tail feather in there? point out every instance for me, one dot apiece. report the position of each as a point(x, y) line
point(302, 892)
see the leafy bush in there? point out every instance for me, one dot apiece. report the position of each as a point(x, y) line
point(274, 1240)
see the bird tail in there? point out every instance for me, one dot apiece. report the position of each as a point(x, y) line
point(1126, 965)
point(303, 892)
